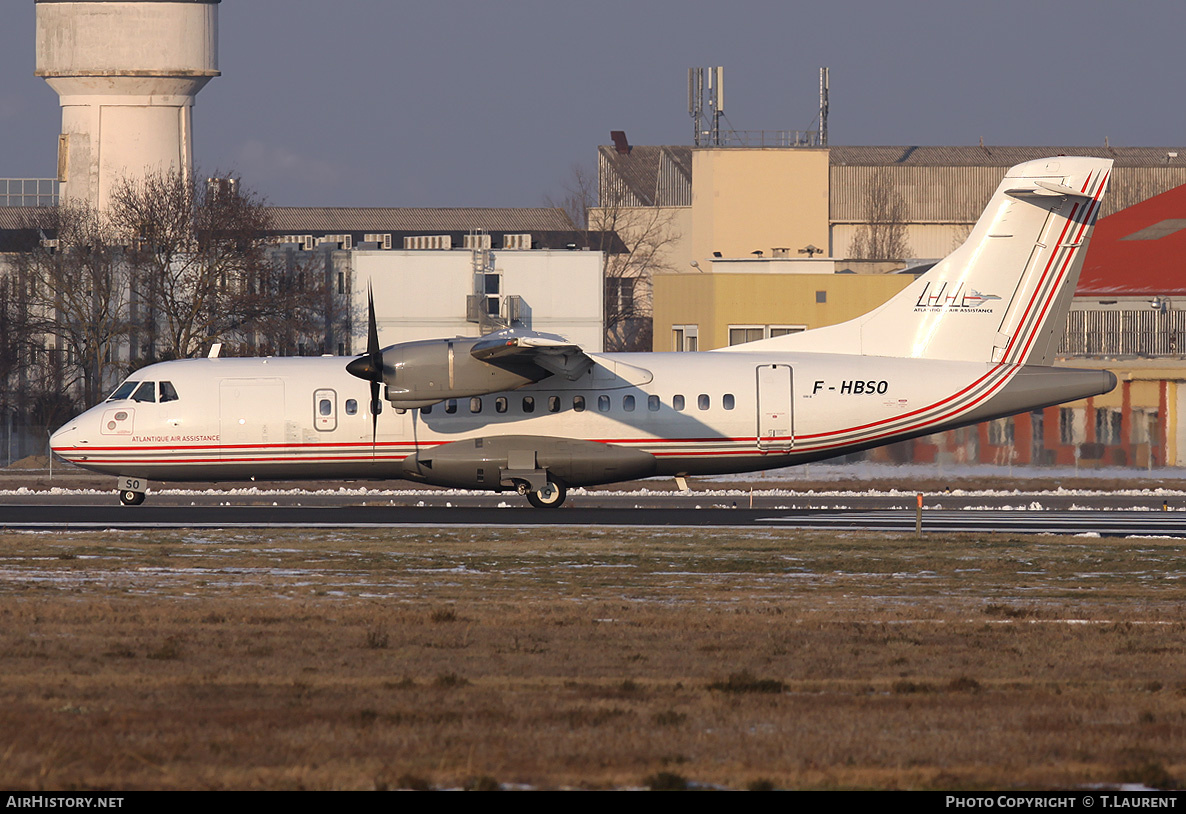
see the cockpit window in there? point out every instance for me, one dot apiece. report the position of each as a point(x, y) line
point(145, 392)
point(168, 392)
point(123, 391)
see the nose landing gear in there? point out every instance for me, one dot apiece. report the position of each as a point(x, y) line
point(132, 490)
point(130, 498)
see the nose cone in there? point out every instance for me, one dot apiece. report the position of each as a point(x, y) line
point(65, 437)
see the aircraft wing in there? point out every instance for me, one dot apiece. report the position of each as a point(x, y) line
point(518, 351)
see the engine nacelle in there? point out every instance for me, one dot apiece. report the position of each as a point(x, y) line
point(421, 373)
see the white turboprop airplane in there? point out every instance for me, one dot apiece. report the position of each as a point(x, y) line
point(970, 340)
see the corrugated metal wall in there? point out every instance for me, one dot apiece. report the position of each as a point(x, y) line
point(1125, 332)
point(959, 194)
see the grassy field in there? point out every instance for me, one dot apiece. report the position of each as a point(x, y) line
point(589, 658)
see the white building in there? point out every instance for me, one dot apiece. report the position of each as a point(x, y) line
point(434, 293)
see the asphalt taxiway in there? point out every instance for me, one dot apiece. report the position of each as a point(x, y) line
point(1105, 522)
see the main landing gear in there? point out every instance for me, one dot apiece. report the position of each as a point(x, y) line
point(551, 496)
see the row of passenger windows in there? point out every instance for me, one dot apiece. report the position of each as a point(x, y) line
point(144, 392)
point(555, 404)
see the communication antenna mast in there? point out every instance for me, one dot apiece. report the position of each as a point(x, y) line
point(696, 102)
point(716, 101)
point(823, 107)
point(706, 127)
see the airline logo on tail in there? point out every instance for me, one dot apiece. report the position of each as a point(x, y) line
point(939, 296)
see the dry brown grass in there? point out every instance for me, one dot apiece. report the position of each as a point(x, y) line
point(588, 658)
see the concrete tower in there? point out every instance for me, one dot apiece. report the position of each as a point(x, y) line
point(127, 72)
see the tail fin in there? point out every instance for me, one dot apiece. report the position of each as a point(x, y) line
point(1000, 297)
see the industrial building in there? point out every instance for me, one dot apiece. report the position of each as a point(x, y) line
point(775, 240)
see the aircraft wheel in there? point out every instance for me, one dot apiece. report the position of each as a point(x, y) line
point(551, 496)
point(130, 498)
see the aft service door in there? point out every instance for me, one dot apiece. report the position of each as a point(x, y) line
point(776, 426)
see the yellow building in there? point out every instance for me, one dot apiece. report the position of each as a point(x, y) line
point(749, 268)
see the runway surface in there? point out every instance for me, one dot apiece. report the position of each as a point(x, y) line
point(1104, 522)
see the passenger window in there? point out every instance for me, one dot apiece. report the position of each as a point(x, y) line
point(168, 392)
point(628, 403)
point(475, 405)
point(451, 406)
point(325, 407)
point(603, 403)
point(145, 392)
point(351, 404)
point(727, 401)
point(653, 403)
point(553, 404)
point(677, 402)
point(500, 404)
point(703, 402)
point(578, 404)
point(528, 404)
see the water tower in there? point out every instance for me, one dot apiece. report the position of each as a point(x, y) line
point(126, 72)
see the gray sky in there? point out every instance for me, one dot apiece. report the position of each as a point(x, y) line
point(468, 103)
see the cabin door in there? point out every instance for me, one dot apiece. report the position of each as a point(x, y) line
point(251, 413)
point(775, 417)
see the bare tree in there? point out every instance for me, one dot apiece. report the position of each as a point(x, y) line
point(636, 241)
point(883, 235)
point(318, 316)
point(198, 257)
point(75, 289)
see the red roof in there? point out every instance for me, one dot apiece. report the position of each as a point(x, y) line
point(1140, 250)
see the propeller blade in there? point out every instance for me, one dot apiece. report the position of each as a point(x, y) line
point(372, 326)
point(374, 415)
point(369, 366)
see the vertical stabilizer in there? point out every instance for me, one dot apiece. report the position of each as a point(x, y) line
point(1000, 297)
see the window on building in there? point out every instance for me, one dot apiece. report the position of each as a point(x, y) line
point(1107, 426)
point(1069, 427)
point(619, 296)
point(740, 334)
point(685, 337)
point(1000, 432)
